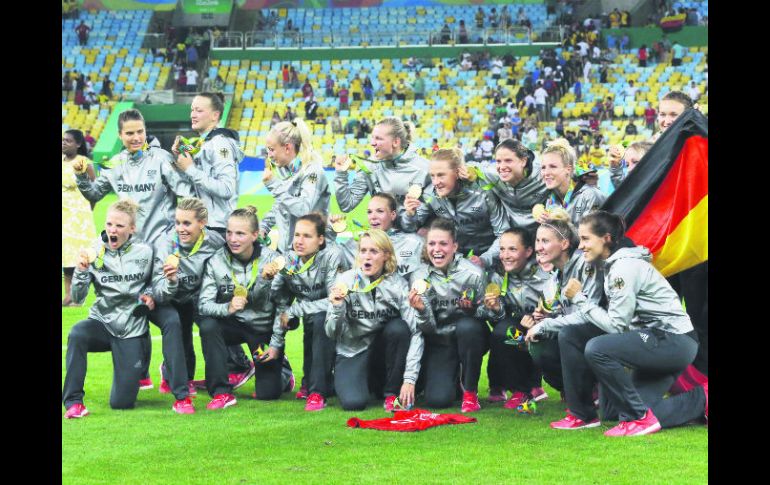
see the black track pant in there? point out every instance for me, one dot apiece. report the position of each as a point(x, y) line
point(175, 323)
point(216, 335)
point(655, 358)
point(444, 357)
point(319, 355)
point(694, 288)
point(379, 369)
point(127, 362)
point(509, 366)
point(545, 355)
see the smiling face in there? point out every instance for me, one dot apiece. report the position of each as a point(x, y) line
point(133, 135)
point(441, 248)
point(443, 177)
point(384, 144)
point(513, 254)
point(281, 155)
point(119, 227)
point(187, 226)
point(379, 214)
point(668, 111)
point(509, 166)
point(554, 171)
point(594, 247)
point(240, 237)
point(548, 246)
point(306, 240)
point(202, 115)
point(371, 258)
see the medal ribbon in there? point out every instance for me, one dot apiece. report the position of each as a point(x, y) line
point(176, 245)
point(254, 273)
point(100, 258)
point(369, 287)
point(292, 268)
point(553, 201)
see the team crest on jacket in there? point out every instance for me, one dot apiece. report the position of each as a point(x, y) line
point(618, 283)
point(223, 152)
point(589, 271)
point(312, 178)
point(141, 263)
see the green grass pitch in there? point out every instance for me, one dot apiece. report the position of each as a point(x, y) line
point(278, 442)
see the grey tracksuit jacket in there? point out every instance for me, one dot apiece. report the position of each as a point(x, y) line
point(309, 289)
point(523, 293)
point(478, 216)
point(392, 177)
point(584, 200)
point(354, 324)
point(120, 277)
point(218, 286)
point(639, 297)
point(442, 296)
point(589, 275)
point(408, 247)
point(302, 193)
point(617, 175)
point(189, 272)
point(150, 179)
point(214, 175)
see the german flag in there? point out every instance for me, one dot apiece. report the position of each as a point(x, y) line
point(673, 23)
point(664, 200)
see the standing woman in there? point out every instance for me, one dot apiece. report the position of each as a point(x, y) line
point(556, 244)
point(455, 339)
point(381, 214)
point(478, 217)
point(378, 342)
point(646, 330)
point(235, 307)
point(671, 105)
point(297, 184)
point(518, 290)
point(178, 272)
point(121, 272)
point(305, 283)
point(78, 229)
point(557, 165)
point(398, 168)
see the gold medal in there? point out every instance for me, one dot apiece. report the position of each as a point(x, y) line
point(493, 289)
point(279, 263)
point(240, 291)
point(172, 260)
point(538, 210)
point(342, 287)
point(472, 175)
point(559, 214)
point(90, 254)
point(339, 226)
point(273, 235)
point(415, 191)
point(420, 286)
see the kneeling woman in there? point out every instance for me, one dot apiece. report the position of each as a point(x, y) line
point(121, 271)
point(179, 261)
point(378, 343)
point(310, 273)
point(235, 307)
point(647, 331)
point(454, 339)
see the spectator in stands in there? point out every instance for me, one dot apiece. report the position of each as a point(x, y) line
point(578, 90)
point(364, 128)
point(286, 76)
point(289, 115)
point(587, 70)
point(387, 89)
point(329, 86)
point(530, 137)
point(631, 128)
point(677, 53)
point(192, 56)
point(294, 78)
point(307, 90)
point(442, 78)
point(206, 84)
point(343, 96)
point(541, 97)
point(418, 86)
point(275, 119)
point(497, 67)
point(487, 146)
point(530, 102)
point(642, 55)
point(625, 18)
point(505, 17)
point(631, 89)
point(649, 117)
point(614, 18)
point(181, 79)
point(692, 17)
point(693, 92)
point(192, 79)
point(504, 132)
point(311, 109)
point(446, 34)
point(82, 30)
point(462, 33)
point(609, 108)
point(218, 84)
point(356, 88)
point(479, 17)
point(493, 18)
point(624, 43)
point(401, 90)
point(66, 85)
point(369, 88)
point(336, 123)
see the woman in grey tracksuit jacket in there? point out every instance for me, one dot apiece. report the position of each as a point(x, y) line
point(176, 295)
point(121, 272)
point(644, 328)
point(255, 324)
point(296, 181)
point(378, 342)
point(144, 174)
point(398, 167)
point(300, 292)
point(454, 338)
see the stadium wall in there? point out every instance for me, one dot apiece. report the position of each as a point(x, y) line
point(688, 36)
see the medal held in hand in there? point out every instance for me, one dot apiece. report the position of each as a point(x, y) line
point(191, 146)
point(493, 289)
point(240, 291)
point(342, 287)
point(420, 286)
point(340, 226)
point(172, 260)
point(415, 191)
point(279, 263)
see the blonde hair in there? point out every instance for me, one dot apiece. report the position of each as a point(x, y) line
point(562, 147)
point(402, 130)
point(196, 205)
point(126, 206)
point(297, 133)
point(382, 242)
point(453, 155)
point(250, 214)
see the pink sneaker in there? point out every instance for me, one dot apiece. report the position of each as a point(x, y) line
point(221, 401)
point(191, 390)
point(302, 393)
point(237, 380)
point(647, 425)
point(290, 385)
point(183, 406)
point(497, 394)
point(76, 411)
point(315, 402)
point(470, 402)
point(516, 400)
point(538, 394)
point(145, 384)
point(388, 404)
point(163, 388)
point(572, 422)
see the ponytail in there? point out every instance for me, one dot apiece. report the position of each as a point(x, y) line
point(297, 133)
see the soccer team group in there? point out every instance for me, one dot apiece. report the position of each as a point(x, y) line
point(456, 259)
